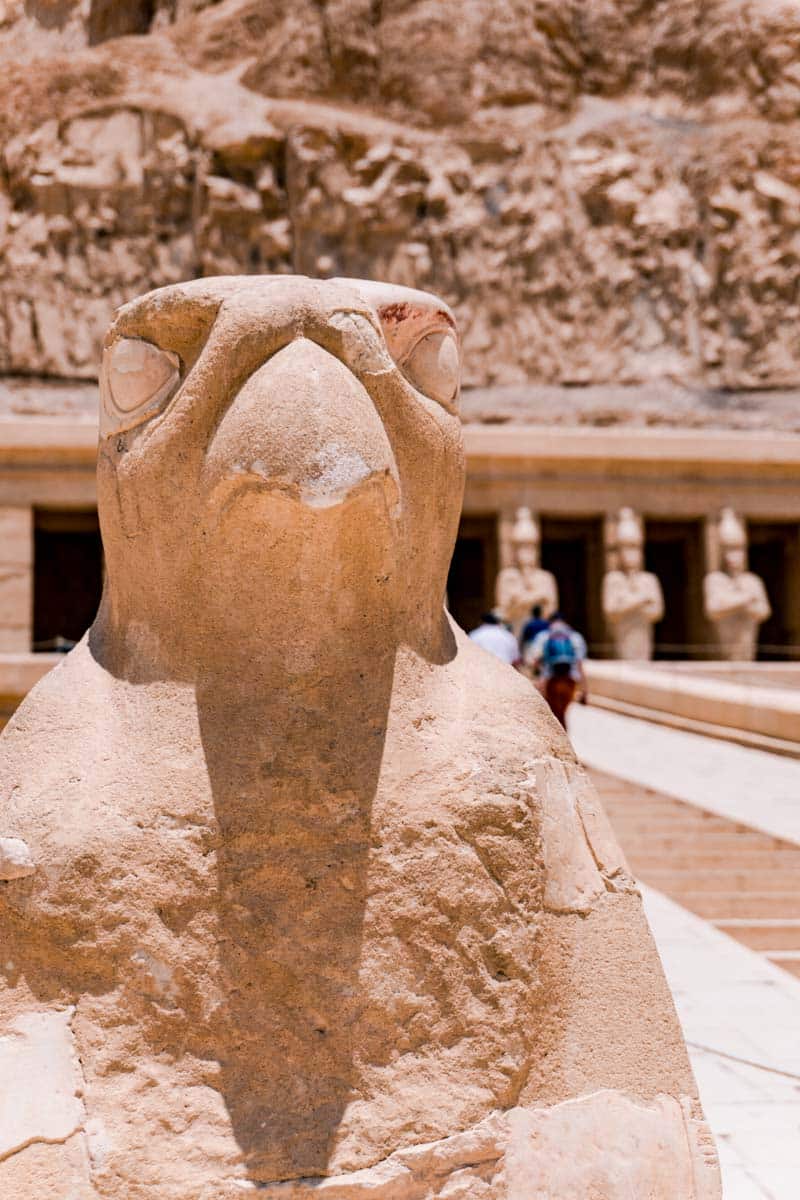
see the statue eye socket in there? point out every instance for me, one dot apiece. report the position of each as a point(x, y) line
point(433, 367)
point(136, 380)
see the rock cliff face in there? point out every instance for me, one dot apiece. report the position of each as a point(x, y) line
point(605, 192)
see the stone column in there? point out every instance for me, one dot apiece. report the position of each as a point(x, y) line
point(16, 580)
point(505, 544)
point(610, 548)
point(711, 544)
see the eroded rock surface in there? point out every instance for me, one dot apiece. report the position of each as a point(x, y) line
point(15, 859)
point(606, 193)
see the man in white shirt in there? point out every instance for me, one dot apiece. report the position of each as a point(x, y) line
point(492, 635)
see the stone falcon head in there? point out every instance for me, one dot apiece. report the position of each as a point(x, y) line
point(277, 444)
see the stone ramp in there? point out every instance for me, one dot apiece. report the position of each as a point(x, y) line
point(748, 787)
point(740, 1016)
point(746, 883)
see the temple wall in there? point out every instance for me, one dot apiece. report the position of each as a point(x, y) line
point(16, 578)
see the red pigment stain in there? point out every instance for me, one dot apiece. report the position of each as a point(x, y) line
point(401, 311)
point(396, 312)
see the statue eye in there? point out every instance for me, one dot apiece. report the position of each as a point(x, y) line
point(136, 380)
point(433, 367)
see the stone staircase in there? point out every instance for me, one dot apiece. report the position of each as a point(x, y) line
point(744, 882)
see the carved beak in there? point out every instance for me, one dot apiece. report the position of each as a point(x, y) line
point(305, 426)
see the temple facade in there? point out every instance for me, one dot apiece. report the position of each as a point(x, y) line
point(678, 478)
point(573, 477)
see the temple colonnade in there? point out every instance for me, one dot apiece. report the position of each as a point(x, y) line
point(688, 503)
point(708, 524)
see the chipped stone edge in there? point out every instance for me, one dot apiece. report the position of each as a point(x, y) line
point(406, 1174)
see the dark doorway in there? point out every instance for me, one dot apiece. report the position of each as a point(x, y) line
point(572, 549)
point(116, 18)
point(775, 556)
point(67, 576)
point(473, 571)
point(674, 552)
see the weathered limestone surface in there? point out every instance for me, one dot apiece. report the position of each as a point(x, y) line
point(319, 891)
point(662, 404)
point(605, 192)
point(15, 859)
point(16, 578)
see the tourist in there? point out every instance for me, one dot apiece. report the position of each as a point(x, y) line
point(535, 625)
point(493, 635)
point(558, 652)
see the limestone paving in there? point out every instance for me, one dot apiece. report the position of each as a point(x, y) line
point(745, 882)
point(759, 789)
point(740, 1017)
point(740, 1012)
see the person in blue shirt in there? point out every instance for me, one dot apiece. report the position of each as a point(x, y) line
point(535, 625)
point(558, 653)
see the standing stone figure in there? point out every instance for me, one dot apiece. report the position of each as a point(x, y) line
point(735, 599)
point(632, 598)
point(525, 584)
point(303, 893)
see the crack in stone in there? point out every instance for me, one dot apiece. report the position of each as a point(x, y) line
point(396, 1165)
point(39, 1140)
point(79, 1128)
